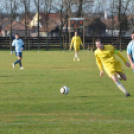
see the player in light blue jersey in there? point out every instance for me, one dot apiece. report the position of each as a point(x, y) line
point(130, 51)
point(18, 44)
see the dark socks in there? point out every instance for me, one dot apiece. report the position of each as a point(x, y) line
point(18, 61)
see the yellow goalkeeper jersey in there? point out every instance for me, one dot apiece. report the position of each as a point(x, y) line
point(107, 59)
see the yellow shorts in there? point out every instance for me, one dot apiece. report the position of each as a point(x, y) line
point(77, 48)
point(113, 68)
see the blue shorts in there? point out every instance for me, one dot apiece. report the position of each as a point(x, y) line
point(18, 54)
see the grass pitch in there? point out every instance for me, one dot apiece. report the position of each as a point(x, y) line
point(31, 103)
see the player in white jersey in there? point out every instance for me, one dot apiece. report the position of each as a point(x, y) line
point(130, 51)
point(18, 44)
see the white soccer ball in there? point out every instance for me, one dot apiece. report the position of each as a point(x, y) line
point(64, 90)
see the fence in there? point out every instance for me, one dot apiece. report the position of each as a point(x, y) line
point(62, 43)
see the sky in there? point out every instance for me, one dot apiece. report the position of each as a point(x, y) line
point(99, 6)
point(5, 5)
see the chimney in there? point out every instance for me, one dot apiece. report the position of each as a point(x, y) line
point(105, 14)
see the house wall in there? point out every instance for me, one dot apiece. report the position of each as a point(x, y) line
point(41, 34)
point(109, 33)
point(128, 33)
point(21, 33)
point(4, 33)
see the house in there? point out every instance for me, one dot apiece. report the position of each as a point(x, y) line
point(55, 32)
point(4, 22)
point(6, 29)
point(112, 28)
point(17, 27)
point(130, 26)
point(47, 23)
point(44, 31)
point(95, 28)
point(34, 21)
point(28, 21)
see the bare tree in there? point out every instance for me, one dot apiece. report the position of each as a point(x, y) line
point(111, 8)
point(63, 10)
point(130, 11)
point(98, 12)
point(46, 7)
point(27, 10)
point(79, 12)
point(122, 7)
point(1, 8)
point(13, 9)
point(37, 3)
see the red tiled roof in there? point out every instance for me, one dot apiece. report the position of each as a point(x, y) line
point(110, 23)
point(15, 26)
point(5, 21)
point(47, 28)
point(27, 21)
point(9, 26)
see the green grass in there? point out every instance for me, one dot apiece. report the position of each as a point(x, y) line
point(31, 103)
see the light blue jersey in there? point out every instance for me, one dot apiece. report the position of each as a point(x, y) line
point(18, 44)
point(130, 49)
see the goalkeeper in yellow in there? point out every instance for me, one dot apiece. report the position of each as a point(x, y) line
point(105, 58)
point(76, 42)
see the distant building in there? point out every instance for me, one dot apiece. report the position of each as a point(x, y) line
point(47, 24)
point(17, 27)
point(96, 28)
point(34, 21)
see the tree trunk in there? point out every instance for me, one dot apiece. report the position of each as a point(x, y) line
point(38, 28)
point(25, 25)
point(119, 16)
point(11, 25)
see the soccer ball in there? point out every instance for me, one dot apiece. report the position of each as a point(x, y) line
point(64, 90)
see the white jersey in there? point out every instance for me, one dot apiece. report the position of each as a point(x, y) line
point(18, 44)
